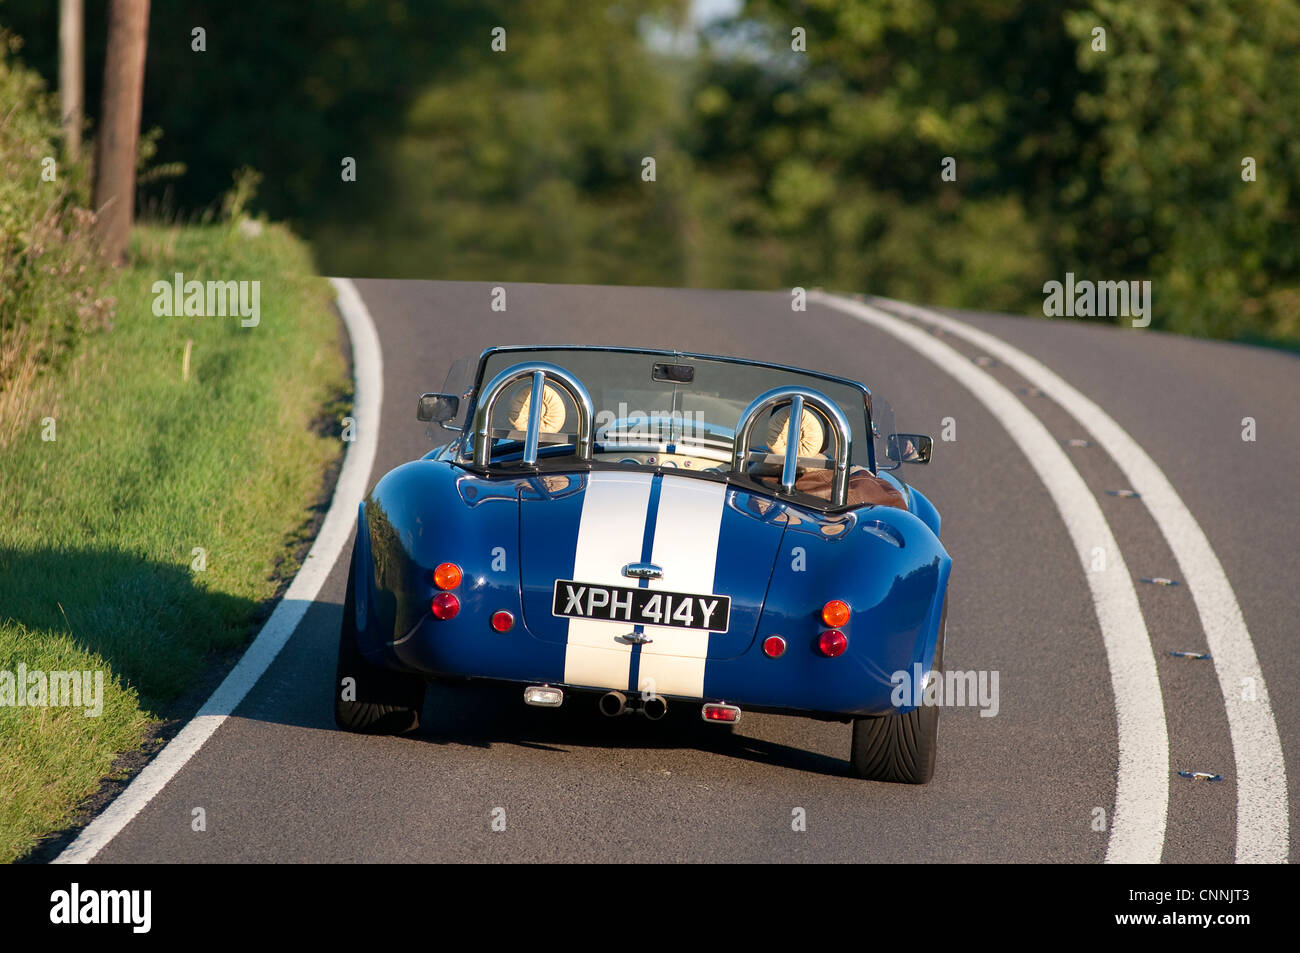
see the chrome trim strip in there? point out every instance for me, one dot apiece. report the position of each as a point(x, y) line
point(534, 418)
point(790, 465)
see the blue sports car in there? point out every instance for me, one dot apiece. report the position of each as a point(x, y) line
point(652, 529)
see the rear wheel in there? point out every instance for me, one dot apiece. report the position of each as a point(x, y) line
point(900, 748)
point(368, 698)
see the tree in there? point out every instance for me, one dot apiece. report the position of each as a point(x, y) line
point(119, 124)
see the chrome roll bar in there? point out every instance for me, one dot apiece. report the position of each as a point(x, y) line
point(540, 372)
point(796, 397)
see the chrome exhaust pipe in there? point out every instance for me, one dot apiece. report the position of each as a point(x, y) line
point(655, 707)
point(613, 704)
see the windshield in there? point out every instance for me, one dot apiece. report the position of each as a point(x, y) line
point(644, 399)
point(882, 425)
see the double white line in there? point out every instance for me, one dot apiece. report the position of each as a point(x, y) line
point(1142, 788)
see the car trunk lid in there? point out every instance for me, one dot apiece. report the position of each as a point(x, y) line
point(676, 536)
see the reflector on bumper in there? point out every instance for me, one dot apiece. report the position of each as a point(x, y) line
point(544, 696)
point(715, 711)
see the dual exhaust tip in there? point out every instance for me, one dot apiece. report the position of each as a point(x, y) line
point(613, 704)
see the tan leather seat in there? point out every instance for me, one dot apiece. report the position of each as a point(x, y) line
point(864, 487)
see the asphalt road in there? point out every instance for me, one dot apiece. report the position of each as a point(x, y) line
point(279, 783)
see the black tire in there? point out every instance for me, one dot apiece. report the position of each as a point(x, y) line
point(385, 702)
point(900, 748)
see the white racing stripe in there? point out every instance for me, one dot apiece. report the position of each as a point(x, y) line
point(610, 532)
point(1262, 813)
point(334, 534)
point(686, 546)
point(1142, 783)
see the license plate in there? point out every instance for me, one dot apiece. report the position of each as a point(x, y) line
point(635, 606)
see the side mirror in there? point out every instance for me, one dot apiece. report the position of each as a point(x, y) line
point(437, 407)
point(910, 447)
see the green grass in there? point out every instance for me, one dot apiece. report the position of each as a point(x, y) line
point(98, 527)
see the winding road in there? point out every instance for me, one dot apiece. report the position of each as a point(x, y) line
point(1072, 462)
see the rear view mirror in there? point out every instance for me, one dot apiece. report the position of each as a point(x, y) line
point(910, 447)
point(437, 407)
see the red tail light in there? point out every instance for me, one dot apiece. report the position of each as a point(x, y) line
point(835, 613)
point(445, 606)
point(832, 643)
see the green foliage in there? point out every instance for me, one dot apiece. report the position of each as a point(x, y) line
point(1190, 90)
point(146, 171)
point(774, 167)
point(51, 279)
point(235, 202)
point(527, 163)
point(1122, 163)
point(284, 86)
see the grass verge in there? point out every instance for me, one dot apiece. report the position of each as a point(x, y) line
point(150, 510)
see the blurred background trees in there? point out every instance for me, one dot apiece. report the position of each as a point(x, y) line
point(773, 167)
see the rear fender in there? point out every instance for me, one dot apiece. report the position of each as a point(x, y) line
point(895, 593)
point(420, 515)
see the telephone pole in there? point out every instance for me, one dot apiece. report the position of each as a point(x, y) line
point(72, 31)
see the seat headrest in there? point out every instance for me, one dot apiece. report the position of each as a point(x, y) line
point(553, 412)
point(812, 435)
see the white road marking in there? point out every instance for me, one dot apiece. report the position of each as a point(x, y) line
point(334, 534)
point(1142, 785)
point(1262, 813)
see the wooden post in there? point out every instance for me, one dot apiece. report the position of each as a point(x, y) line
point(119, 124)
point(72, 30)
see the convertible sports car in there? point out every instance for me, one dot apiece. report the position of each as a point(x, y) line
point(655, 529)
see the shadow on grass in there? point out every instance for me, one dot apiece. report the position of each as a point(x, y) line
point(153, 623)
point(159, 630)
